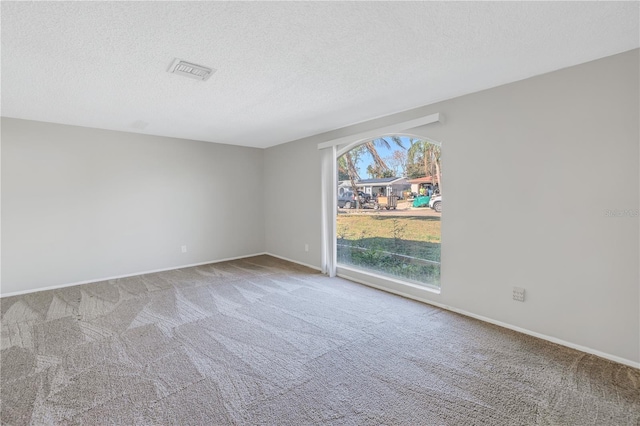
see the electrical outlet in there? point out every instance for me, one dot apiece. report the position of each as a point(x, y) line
point(518, 294)
point(184, 249)
point(306, 247)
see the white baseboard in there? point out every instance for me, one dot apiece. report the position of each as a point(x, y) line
point(502, 324)
point(399, 293)
point(294, 261)
point(94, 280)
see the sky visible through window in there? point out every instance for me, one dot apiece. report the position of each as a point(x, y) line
point(385, 153)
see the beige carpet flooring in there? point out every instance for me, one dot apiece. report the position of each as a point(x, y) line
point(261, 341)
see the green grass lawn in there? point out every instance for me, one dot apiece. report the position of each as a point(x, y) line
point(394, 245)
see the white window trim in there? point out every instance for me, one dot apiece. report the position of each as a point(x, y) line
point(378, 132)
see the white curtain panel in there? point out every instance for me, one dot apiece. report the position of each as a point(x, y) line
point(328, 164)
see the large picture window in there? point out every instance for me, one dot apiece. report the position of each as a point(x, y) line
point(389, 206)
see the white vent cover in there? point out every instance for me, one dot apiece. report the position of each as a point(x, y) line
point(190, 70)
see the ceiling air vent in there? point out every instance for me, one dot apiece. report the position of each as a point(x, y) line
point(190, 70)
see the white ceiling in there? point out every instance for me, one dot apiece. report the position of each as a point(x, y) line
point(284, 70)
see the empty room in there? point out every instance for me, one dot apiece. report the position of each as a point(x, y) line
point(230, 213)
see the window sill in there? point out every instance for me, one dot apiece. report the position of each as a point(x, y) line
point(404, 288)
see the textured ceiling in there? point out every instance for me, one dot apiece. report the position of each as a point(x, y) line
point(284, 70)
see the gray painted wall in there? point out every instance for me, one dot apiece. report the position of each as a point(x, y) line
point(555, 151)
point(83, 204)
point(293, 219)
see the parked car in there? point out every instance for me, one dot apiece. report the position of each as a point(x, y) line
point(347, 200)
point(436, 203)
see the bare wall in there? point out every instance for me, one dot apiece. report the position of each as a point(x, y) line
point(530, 170)
point(292, 211)
point(83, 204)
